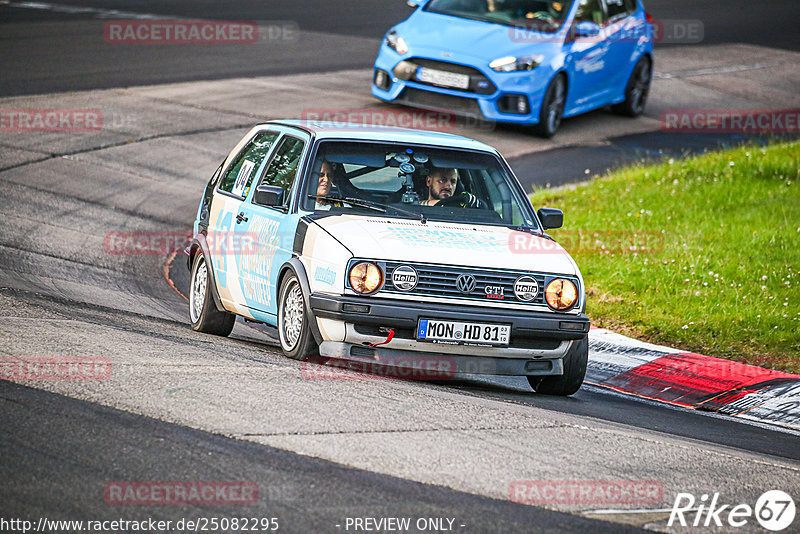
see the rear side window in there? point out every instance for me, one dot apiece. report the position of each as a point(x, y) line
point(282, 169)
point(240, 175)
point(618, 9)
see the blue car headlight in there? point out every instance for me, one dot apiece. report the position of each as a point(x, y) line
point(512, 64)
point(396, 43)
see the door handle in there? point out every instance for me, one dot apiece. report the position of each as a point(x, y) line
point(241, 218)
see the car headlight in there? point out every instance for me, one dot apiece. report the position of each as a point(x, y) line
point(561, 294)
point(365, 277)
point(511, 63)
point(396, 43)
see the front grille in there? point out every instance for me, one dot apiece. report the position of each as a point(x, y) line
point(453, 104)
point(478, 83)
point(440, 281)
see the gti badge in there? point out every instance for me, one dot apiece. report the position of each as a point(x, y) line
point(495, 292)
point(405, 278)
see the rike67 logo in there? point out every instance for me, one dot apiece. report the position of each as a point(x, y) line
point(774, 510)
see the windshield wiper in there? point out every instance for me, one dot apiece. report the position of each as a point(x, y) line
point(383, 208)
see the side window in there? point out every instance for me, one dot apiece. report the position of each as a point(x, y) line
point(590, 10)
point(618, 9)
point(282, 169)
point(240, 176)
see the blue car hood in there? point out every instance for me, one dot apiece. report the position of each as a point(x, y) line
point(431, 34)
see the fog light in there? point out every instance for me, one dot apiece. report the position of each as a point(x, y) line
point(516, 104)
point(382, 79)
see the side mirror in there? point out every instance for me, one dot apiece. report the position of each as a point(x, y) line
point(269, 195)
point(551, 218)
point(587, 28)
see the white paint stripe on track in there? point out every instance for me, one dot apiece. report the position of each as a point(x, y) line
point(712, 70)
point(76, 10)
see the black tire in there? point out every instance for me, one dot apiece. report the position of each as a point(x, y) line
point(574, 372)
point(203, 312)
point(294, 332)
point(637, 89)
point(552, 110)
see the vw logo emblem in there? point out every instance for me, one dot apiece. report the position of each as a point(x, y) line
point(465, 283)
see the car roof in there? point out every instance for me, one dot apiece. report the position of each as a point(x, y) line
point(340, 130)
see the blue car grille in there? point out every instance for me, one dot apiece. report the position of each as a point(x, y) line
point(440, 281)
point(478, 83)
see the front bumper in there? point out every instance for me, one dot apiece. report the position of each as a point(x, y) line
point(530, 84)
point(539, 340)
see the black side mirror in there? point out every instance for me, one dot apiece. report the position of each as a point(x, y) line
point(551, 218)
point(269, 195)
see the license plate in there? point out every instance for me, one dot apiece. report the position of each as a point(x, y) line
point(443, 78)
point(459, 333)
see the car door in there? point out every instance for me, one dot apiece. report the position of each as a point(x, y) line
point(225, 237)
point(589, 59)
point(622, 33)
point(270, 229)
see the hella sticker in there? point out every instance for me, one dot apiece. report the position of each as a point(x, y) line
point(404, 278)
point(526, 288)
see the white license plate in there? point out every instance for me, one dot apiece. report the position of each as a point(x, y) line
point(457, 332)
point(443, 78)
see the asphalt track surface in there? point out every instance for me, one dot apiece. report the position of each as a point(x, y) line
point(58, 452)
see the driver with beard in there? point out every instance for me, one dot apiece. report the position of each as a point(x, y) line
point(441, 185)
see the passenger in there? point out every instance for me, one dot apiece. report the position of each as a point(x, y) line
point(324, 187)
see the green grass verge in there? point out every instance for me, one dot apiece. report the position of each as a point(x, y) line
point(720, 270)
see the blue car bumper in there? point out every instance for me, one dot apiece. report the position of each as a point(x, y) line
point(513, 97)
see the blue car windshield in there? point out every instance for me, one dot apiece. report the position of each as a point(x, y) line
point(539, 15)
point(408, 181)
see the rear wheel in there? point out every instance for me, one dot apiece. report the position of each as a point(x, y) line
point(552, 110)
point(574, 372)
point(203, 313)
point(637, 89)
point(294, 332)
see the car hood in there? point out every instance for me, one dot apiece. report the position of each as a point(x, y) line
point(444, 243)
point(432, 35)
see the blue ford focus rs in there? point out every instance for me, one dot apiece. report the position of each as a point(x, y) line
point(519, 61)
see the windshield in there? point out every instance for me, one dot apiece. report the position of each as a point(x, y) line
point(541, 15)
point(408, 181)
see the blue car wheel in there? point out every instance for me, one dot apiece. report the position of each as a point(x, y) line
point(552, 110)
point(637, 89)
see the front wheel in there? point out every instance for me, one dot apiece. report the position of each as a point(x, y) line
point(552, 110)
point(570, 382)
point(294, 332)
point(203, 313)
point(637, 89)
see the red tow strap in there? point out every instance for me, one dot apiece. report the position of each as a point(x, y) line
point(388, 339)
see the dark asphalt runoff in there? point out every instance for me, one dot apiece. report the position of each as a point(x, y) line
point(58, 49)
point(59, 453)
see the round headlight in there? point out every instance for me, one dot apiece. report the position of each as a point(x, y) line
point(365, 277)
point(561, 294)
